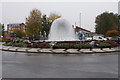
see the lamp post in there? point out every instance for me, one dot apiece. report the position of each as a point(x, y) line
point(119, 26)
point(40, 35)
point(80, 19)
point(33, 37)
point(44, 35)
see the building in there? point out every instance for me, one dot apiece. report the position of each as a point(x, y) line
point(82, 33)
point(1, 30)
point(18, 26)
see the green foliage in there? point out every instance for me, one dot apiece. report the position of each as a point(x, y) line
point(2, 30)
point(20, 44)
point(19, 33)
point(104, 45)
point(82, 45)
point(112, 43)
point(36, 23)
point(61, 46)
point(33, 22)
point(45, 25)
point(106, 21)
point(9, 44)
point(47, 21)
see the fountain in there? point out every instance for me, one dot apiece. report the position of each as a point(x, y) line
point(61, 30)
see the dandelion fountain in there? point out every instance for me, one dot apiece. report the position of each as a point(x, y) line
point(61, 30)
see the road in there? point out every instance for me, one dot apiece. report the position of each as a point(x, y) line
point(34, 65)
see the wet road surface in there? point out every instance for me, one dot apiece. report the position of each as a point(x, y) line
point(34, 65)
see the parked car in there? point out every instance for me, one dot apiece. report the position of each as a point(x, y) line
point(88, 38)
point(99, 38)
point(116, 39)
point(27, 41)
point(108, 38)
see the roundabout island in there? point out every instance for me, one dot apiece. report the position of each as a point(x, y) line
point(62, 39)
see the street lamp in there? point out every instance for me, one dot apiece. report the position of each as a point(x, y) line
point(119, 26)
point(33, 37)
point(44, 35)
point(40, 34)
point(80, 19)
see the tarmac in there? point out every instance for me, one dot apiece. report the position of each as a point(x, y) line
point(58, 51)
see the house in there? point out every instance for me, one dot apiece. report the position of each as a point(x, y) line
point(81, 33)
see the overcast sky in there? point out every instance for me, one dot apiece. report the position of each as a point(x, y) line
point(16, 12)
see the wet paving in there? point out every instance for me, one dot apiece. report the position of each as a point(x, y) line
point(36, 65)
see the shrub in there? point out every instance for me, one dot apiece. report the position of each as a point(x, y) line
point(104, 45)
point(82, 45)
point(61, 46)
point(20, 45)
point(78, 46)
point(87, 46)
point(113, 43)
point(9, 44)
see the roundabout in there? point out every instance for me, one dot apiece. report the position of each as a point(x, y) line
point(58, 51)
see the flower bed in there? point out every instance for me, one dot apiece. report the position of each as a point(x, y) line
point(75, 46)
point(39, 45)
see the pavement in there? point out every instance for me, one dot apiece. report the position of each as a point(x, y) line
point(58, 51)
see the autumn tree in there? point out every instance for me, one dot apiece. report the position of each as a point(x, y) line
point(36, 23)
point(53, 16)
point(33, 23)
point(112, 33)
point(105, 22)
point(19, 33)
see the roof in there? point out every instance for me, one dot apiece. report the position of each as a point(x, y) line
point(15, 24)
point(79, 28)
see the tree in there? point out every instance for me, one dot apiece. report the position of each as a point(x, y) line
point(33, 23)
point(112, 33)
point(47, 21)
point(3, 30)
point(45, 25)
point(19, 33)
point(105, 22)
point(53, 16)
point(119, 23)
point(36, 23)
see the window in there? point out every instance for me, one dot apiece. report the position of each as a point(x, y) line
point(100, 38)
